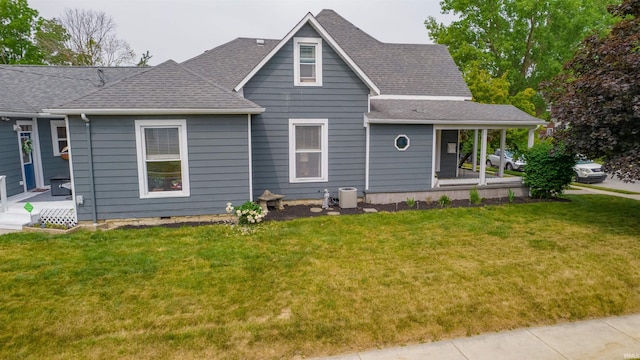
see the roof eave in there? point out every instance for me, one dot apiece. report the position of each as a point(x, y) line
point(153, 111)
point(309, 18)
point(465, 123)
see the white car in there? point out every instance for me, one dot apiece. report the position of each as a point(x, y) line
point(509, 163)
point(589, 172)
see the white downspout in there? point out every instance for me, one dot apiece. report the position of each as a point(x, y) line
point(367, 130)
point(250, 157)
point(94, 206)
point(475, 150)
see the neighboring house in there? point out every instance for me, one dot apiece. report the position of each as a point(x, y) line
point(327, 106)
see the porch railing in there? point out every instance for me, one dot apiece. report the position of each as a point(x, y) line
point(3, 193)
point(476, 181)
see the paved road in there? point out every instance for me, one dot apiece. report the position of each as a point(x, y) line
point(618, 184)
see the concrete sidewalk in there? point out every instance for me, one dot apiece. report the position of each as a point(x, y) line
point(608, 338)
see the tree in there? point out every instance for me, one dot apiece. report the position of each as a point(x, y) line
point(597, 98)
point(18, 24)
point(144, 59)
point(50, 38)
point(93, 39)
point(528, 40)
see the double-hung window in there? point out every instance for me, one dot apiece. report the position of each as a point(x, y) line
point(307, 56)
point(163, 165)
point(58, 136)
point(308, 150)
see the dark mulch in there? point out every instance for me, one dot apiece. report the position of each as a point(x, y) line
point(301, 211)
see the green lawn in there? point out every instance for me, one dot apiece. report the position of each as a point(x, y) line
point(317, 286)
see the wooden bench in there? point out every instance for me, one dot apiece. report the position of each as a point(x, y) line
point(269, 197)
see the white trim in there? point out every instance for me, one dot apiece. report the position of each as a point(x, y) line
point(156, 111)
point(433, 158)
point(325, 35)
point(55, 141)
point(324, 151)
point(181, 125)
point(39, 171)
point(250, 157)
point(71, 177)
point(420, 97)
point(315, 42)
point(395, 142)
point(461, 124)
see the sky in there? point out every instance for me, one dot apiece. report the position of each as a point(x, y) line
point(182, 29)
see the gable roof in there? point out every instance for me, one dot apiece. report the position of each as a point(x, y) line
point(398, 69)
point(165, 88)
point(229, 63)
point(448, 112)
point(309, 19)
point(31, 88)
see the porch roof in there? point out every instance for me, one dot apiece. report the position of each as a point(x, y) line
point(448, 112)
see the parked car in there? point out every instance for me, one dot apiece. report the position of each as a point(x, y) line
point(588, 171)
point(509, 162)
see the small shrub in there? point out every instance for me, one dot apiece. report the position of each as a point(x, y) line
point(549, 170)
point(411, 202)
point(247, 213)
point(474, 196)
point(511, 195)
point(444, 200)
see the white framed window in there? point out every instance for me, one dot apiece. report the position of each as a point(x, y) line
point(58, 136)
point(308, 150)
point(163, 161)
point(307, 61)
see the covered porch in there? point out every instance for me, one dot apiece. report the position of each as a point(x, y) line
point(427, 143)
point(477, 175)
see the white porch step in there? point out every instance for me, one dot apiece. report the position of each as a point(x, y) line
point(13, 220)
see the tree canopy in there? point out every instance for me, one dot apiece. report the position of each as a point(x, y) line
point(597, 97)
point(92, 37)
point(528, 40)
point(18, 24)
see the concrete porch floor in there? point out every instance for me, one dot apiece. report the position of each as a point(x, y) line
point(16, 216)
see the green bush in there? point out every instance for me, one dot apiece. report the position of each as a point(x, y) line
point(444, 200)
point(549, 170)
point(474, 196)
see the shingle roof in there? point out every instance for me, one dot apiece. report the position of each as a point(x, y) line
point(397, 69)
point(28, 88)
point(435, 111)
point(165, 86)
point(229, 63)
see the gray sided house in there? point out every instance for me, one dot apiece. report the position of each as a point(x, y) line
point(326, 106)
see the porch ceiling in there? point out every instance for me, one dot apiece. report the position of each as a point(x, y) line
point(465, 114)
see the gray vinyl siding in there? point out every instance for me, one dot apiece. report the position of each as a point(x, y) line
point(10, 165)
point(218, 167)
point(448, 162)
point(342, 99)
point(51, 165)
point(391, 170)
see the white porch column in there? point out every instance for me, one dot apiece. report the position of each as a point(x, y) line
point(475, 150)
point(532, 133)
point(483, 156)
point(503, 136)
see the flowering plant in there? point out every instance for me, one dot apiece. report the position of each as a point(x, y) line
point(247, 213)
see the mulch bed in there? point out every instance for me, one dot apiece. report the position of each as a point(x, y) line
point(300, 211)
point(291, 212)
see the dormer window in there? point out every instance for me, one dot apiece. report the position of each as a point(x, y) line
point(307, 58)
